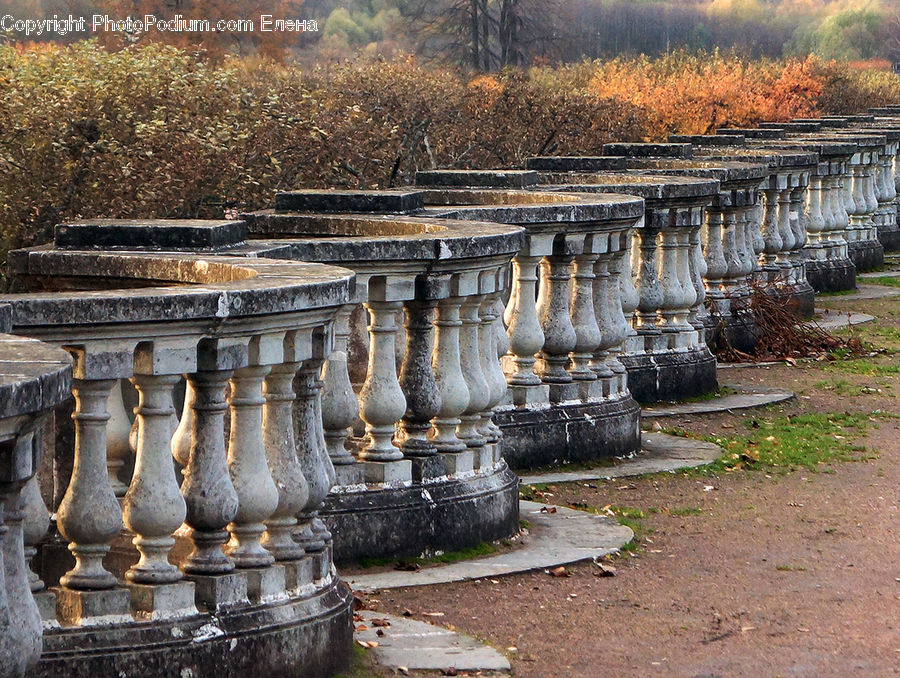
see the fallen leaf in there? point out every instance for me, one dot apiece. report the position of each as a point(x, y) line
point(380, 633)
point(407, 612)
point(380, 622)
point(403, 670)
point(548, 509)
point(432, 614)
point(604, 570)
point(362, 627)
point(560, 571)
point(407, 567)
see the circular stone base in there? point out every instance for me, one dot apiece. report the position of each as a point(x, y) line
point(800, 299)
point(831, 275)
point(673, 375)
point(559, 434)
point(867, 255)
point(408, 521)
point(890, 239)
point(310, 636)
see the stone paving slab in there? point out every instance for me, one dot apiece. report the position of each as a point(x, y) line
point(558, 538)
point(830, 319)
point(862, 292)
point(418, 646)
point(747, 396)
point(659, 453)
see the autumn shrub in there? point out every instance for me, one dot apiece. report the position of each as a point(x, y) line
point(153, 131)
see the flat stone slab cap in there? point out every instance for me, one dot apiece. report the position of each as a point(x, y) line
point(861, 139)
point(346, 238)
point(888, 131)
point(862, 117)
point(822, 147)
point(153, 234)
point(776, 156)
point(709, 139)
point(793, 126)
point(34, 377)
point(320, 200)
point(651, 187)
point(753, 132)
point(576, 163)
point(835, 122)
point(532, 208)
point(649, 150)
point(721, 170)
point(457, 178)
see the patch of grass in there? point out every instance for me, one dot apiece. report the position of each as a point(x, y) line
point(840, 387)
point(841, 293)
point(807, 441)
point(790, 568)
point(361, 665)
point(477, 551)
point(865, 366)
point(720, 392)
point(686, 511)
point(524, 524)
point(890, 281)
point(631, 518)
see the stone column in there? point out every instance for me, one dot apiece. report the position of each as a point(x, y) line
point(417, 381)
point(340, 408)
point(817, 226)
point(526, 337)
point(281, 454)
point(381, 399)
point(584, 313)
point(648, 285)
point(89, 515)
point(118, 447)
point(473, 374)
point(619, 269)
point(153, 507)
point(556, 323)
point(771, 231)
point(786, 233)
point(603, 283)
point(448, 373)
point(716, 263)
point(20, 620)
point(490, 361)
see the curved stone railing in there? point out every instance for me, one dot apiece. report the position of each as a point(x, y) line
point(409, 407)
point(34, 378)
point(233, 563)
point(782, 258)
point(665, 351)
point(730, 237)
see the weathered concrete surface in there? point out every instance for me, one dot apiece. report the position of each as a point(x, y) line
point(417, 646)
point(191, 234)
point(659, 453)
point(755, 396)
point(566, 536)
point(830, 319)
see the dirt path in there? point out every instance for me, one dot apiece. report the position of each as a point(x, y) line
point(748, 572)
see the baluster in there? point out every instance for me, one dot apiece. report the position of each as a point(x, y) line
point(312, 453)
point(89, 515)
point(786, 231)
point(118, 433)
point(23, 628)
point(816, 225)
point(37, 522)
point(618, 269)
point(340, 408)
point(730, 251)
point(852, 198)
point(153, 507)
point(771, 231)
point(490, 363)
point(211, 500)
point(586, 321)
point(688, 293)
point(716, 263)
point(423, 400)
point(381, 399)
point(648, 283)
point(672, 292)
point(556, 320)
point(449, 376)
point(256, 491)
point(476, 384)
point(598, 364)
point(526, 337)
point(281, 454)
point(697, 271)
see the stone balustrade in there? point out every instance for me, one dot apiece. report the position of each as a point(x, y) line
point(413, 384)
point(215, 557)
point(665, 351)
point(731, 237)
point(782, 257)
point(34, 378)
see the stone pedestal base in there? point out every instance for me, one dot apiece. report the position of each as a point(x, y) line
point(91, 608)
point(867, 255)
point(265, 584)
point(298, 574)
point(310, 637)
point(46, 604)
point(671, 375)
point(446, 515)
point(388, 472)
point(534, 437)
point(162, 601)
point(525, 395)
point(213, 592)
point(457, 463)
point(831, 275)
